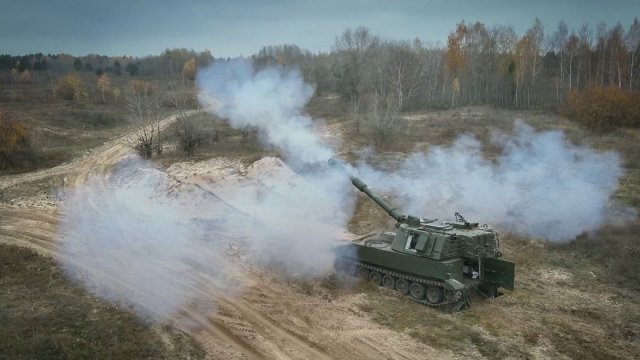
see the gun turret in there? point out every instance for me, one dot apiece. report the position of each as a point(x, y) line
point(360, 185)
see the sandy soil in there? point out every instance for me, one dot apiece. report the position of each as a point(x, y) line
point(269, 319)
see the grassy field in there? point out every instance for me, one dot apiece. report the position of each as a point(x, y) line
point(43, 316)
point(577, 300)
point(61, 129)
point(218, 138)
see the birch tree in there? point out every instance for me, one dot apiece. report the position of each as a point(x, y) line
point(632, 42)
point(353, 46)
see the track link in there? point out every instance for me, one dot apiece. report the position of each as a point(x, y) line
point(458, 299)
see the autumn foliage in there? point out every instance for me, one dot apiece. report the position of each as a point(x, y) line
point(189, 69)
point(454, 55)
point(604, 107)
point(103, 83)
point(70, 87)
point(143, 87)
point(14, 140)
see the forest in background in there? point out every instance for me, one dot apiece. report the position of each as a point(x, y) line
point(479, 64)
point(589, 74)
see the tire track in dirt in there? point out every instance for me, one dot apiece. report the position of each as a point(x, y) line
point(95, 161)
point(267, 319)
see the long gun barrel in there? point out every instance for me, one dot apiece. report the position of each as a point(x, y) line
point(360, 185)
point(383, 204)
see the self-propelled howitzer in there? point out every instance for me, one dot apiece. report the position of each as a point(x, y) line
point(433, 262)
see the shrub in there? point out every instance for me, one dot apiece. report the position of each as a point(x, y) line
point(69, 87)
point(14, 75)
point(103, 83)
point(147, 141)
point(189, 69)
point(15, 145)
point(382, 118)
point(604, 107)
point(25, 77)
point(143, 87)
point(190, 134)
point(115, 93)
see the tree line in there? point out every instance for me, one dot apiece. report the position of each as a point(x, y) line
point(478, 65)
point(169, 63)
point(378, 77)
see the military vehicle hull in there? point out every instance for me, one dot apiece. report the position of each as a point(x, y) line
point(434, 263)
point(436, 283)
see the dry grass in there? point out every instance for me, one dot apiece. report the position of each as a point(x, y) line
point(48, 186)
point(578, 300)
point(60, 129)
point(551, 314)
point(43, 316)
point(220, 140)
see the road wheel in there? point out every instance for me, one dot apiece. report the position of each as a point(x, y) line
point(417, 290)
point(363, 273)
point(434, 294)
point(388, 281)
point(402, 286)
point(375, 278)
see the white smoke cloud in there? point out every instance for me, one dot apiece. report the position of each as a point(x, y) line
point(271, 100)
point(128, 240)
point(303, 215)
point(291, 220)
point(140, 237)
point(540, 185)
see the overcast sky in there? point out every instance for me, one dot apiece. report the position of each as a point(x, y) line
point(241, 27)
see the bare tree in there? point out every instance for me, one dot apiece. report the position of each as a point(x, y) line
point(559, 39)
point(505, 39)
point(433, 62)
point(584, 53)
point(181, 96)
point(352, 46)
point(402, 66)
point(632, 42)
point(602, 50)
point(536, 35)
point(571, 49)
point(191, 134)
point(145, 141)
point(103, 83)
point(382, 117)
point(617, 51)
point(189, 70)
point(146, 108)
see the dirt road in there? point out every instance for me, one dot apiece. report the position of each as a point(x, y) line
point(269, 318)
